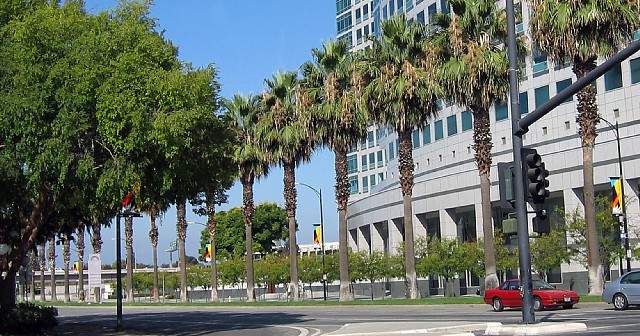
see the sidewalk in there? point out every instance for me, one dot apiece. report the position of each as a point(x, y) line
point(444, 328)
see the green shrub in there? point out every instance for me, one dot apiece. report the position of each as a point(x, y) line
point(28, 318)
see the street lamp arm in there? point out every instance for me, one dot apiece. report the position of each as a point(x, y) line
point(310, 187)
point(614, 128)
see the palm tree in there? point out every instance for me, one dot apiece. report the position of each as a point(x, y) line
point(41, 264)
point(128, 241)
point(475, 74)
point(243, 114)
point(281, 133)
point(401, 92)
point(154, 211)
point(80, 249)
point(51, 258)
point(580, 33)
point(66, 258)
point(331, 115)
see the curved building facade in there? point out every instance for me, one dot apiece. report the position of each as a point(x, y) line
point(446, 195)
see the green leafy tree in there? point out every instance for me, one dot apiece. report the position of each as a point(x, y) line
point(282, 135)
point(399, 89)
point(579, 33)
point(371, 266)
point(272, 270)
point(608, 230)
point(330, 114)
point(549, 251)
point(507, 258)
point(232, 271)
point(270, 224)
point(448, 258)
point(310, 270)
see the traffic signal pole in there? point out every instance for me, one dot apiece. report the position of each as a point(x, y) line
point(520, 205)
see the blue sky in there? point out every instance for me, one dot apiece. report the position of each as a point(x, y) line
point(247, 41)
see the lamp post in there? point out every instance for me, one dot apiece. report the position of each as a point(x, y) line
point(124, 212)
point(324, 274)
point(623, 214)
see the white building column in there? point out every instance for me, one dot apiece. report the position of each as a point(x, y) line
point(364, 237)
point(395, 234)
point(448, 226)
point(378, 236)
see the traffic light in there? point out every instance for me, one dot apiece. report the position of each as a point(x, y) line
point(541, 223)
point(536, 182)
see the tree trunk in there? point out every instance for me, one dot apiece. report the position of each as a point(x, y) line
point(342, 196)
point(52, 267)
point(96, 242)
point(66, 258)
point(587, 120)
point(248, 209)
point(211, 225)
point(153, 236)
point(128, 236)
point(41, 263)
point(33, 265)
point(290, 196)
point(181, 228)
point(405, 166)
point(8, 291)
point(80, 246)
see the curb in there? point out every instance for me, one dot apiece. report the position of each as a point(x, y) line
point(544, 328)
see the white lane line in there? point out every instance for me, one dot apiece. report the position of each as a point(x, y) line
point(303, 331)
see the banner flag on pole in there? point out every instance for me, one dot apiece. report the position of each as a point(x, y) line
point(616, 196)
point(317, 234)
point(207, 253)
point(75, 266)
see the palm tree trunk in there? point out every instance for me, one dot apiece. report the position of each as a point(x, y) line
point(128, 236)
point(66, 255)
point(587, 120)
point(290, 205)
point(41, 263)
point(248, 209)
point(211, 225)
point(33, 264)
point(342, 196)
point(153, 236)
point(405, 165)
point(80, 246)
point(181, 228)
point(482, 145)
point(96, 242)
point(52, 267)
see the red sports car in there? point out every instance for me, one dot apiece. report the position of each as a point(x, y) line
point(544, 295)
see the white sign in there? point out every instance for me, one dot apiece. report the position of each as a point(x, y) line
point(95, 271)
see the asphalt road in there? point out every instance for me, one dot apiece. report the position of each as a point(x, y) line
point(600, 319)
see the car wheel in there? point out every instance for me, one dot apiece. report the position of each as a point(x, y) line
point(497, 305)
point(620, 302)
point(537, 304)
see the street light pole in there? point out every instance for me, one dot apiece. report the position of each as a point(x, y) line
point(623, 215)
point(324, 274)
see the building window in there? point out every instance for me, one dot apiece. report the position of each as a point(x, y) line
point(452, 125)
point(370, 138)
point(415, 138)
point(635, 70)
point(539, 60)
point(372, 181)
point(365, 11)
point(524, 102)
point(380, 159)
point(563, 84)
point(426, 134)
point(384, 13)
point(352, 164)
point(438, 129)
point(358, 36)
point(342, 5)
point(364, 165)
point(409, 5)
point(444, 6)
point(344, 22)
point(372, 160)
point(348, 38)
point(366, 30)
point(380, 177)
point(392, 152)
point(358, 16)
point(613, 78)
point(365, 184)
point(353, 185)
point(392, 7)
point(467, 121)
point(431, 10)
point(400, 5)
point(420, 17)
point(541, 95)
point(502, 112)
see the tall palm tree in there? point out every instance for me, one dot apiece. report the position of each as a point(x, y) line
point(579, 33)
point(181, 230)
point(475, 73)
point(33, 264)
point(128, 241)
point(51, 258)
point(243, 114)
point(41, 264)
point(66, 259)
point(401, 91)
point(331, 115)
point(154, 211)
point(80, 249)
point(282, 135)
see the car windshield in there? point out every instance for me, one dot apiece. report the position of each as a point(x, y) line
point(540, 284)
